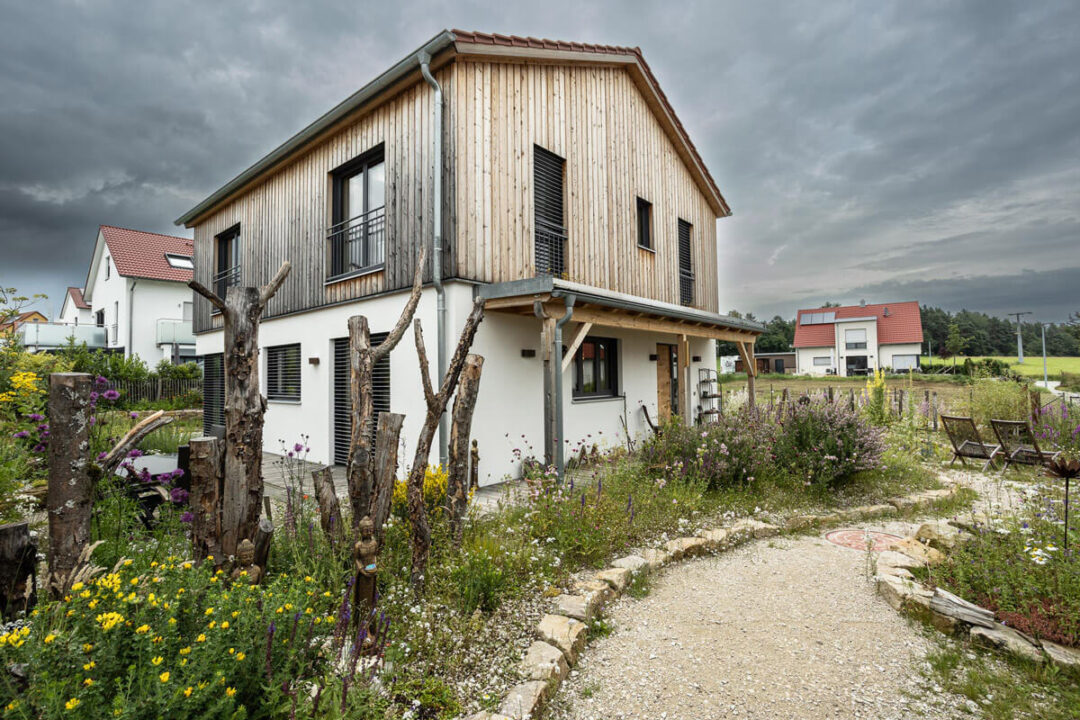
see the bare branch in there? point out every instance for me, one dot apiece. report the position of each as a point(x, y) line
point(395, 335)
point(272, 287)
point(141, 429)
point(425, 370)
point(208, 294)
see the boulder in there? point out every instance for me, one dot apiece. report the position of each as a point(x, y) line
point(525, 700)
point(655, 559)
point(944, 623)
point(899, 592)
point(902, 503)
point(544, 662)
point(1061, 655)
point(799, 522)
point(566, 634)
point(940, 535)
point(594, 588)
point(576, 606)
point(929, 496)
point(717, 538)
point(633, 563)
point(1006, 640)
point(885, 569)
point(686, 547)
point(617, 578)
point(895, 559)
point(917, 551)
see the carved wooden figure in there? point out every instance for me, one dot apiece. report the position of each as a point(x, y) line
point(245, 563)
point(365, 553)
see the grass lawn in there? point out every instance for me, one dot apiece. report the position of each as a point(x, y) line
point(1032, 366)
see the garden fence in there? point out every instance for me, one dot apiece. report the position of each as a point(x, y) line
point(156, 389)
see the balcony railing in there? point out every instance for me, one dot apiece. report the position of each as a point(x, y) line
point(114, 334)
point(686, 287)
point(358, 244)
point(171, 331)
point(47, 336)
point(225, 280)
point(550, 249)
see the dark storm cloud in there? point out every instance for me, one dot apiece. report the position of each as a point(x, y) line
point(865, 147)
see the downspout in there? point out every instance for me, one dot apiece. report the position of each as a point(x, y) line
point(437, 259)
point(131, 314)
point(560, 441)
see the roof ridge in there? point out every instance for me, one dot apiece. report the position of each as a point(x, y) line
point(145, 232)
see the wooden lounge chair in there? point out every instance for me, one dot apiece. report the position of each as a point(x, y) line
point(966, 441)
point(1018, 444)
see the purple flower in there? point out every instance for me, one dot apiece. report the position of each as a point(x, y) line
point(298, 447)
point(21, 434)
point(99, 380)
point(178, 495)
point(134, 415)
point(39, 448)
point(42, 427)
point(93, 396)
point(102, 455)
point(111, 395)
point(36, 417)
point(135, 452)
point(186, 517)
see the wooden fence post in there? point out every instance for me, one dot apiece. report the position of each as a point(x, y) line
point(387, 436)
point(205, 497)
point(934, 411)
point(329, 508)
point(851, 399)
point(464, 404)
point(70, 491)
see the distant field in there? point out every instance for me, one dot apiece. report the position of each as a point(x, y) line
point(1033, 365)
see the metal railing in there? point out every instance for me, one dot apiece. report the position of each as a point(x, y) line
point(686, 287)
point(172, 331)
point(37, 336)
point(358, 244)
point(225, 280)
point(550, 249)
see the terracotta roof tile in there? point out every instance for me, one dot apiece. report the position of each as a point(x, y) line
point(903, 324)
point(77, 298)
point(142, 254)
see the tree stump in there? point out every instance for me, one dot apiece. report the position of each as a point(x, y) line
point(70, 494)
point(329, 508)
point(386, 461)
point(458, 483)
point(205, 498)
point(18, 560)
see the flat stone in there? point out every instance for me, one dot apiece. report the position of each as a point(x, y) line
point(617, 578)
point(566, 634)
point(1061, 655)
point(1006, 640)
point(687, 547)
point(484, 715)
point(928, 496)
point(575, 606)
point(597, 589)
point(717, 538)
point(886, 569)
point(899, 592)
point(656, 559)
point(524, 700)
point(544, 662)
point(917, 551)
point(897, 560)
point(754, 528)
point(633, 563)
point(940, 535)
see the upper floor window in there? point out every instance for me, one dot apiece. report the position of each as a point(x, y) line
point(550, 235)
point(108, 268)
point(283, 372)
point(644, 224)
point(596, 368)
point(182, 262)
point(227, 260)
point(358, 233)
point(855, 339)
point(686, 268)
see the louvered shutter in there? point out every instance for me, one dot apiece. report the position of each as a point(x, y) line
point(550, 236)
point(283, 372)
point(342, 403)
point(686, 270)
point(214, 394)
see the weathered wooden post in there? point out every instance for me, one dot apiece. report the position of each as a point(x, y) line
point(329, 508)
point(205, 497)
point(851, 399)
point(474, 467)
point(18, 559)
point(829, 394)
point(245, 407)
point(457, 492)
point(387, 435)
point(934, 411)
point(70, 491)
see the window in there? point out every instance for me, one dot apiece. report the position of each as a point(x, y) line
point(227, 265)
point(358, 235)
point(380, 395)
point(686, 269)
point(644, 224)
point(855, 339)
point(596, 368)
point(905, 362)
point(108, 268)
point(822, 361)
point(550, 234)
point(116, 323)
point(214, 394)
point(187, 311)
point(283, 372)
point(180, 261)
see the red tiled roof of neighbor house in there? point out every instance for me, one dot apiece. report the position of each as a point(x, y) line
point(903, 324)
point(77, 298)
point(142, 254)
point(481, 38)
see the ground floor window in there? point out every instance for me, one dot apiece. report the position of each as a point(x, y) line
point(213, 393)
point(823, 361)
point(596, 368)
point(283, 372)
point(905, 362)
point(380, 395)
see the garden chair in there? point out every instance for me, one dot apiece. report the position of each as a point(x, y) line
point(1018, 444)
point(966, 441)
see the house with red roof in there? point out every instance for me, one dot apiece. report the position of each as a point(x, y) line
point(136, 292)
point(858, 339)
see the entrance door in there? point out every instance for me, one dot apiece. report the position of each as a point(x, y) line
point(857, 365)
point(778, 365)
point(667, 381)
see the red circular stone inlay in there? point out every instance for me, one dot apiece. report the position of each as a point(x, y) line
point(858, 539)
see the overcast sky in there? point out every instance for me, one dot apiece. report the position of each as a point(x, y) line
point(874, 150)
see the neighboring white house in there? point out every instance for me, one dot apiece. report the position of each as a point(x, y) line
point(858, 339)
point(136, 289)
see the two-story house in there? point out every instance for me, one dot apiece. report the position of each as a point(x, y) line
point(552, 179)
point(136, 294)
point(859, 339)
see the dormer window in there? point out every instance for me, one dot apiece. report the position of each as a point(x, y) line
point(182, 262)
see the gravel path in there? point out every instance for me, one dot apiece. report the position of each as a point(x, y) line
point(789, 628)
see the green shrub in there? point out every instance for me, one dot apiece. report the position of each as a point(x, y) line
point(991, 399)
point(479, 577)
point(182, 371)
point(826, 443)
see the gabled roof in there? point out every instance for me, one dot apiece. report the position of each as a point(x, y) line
point(142, 254)
point(451, 42)
point(896, 323)
point(22, 318)
point(77, 299)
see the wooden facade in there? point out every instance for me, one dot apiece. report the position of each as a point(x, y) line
point(593, 114)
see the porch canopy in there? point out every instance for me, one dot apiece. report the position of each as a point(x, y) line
point(556, 302)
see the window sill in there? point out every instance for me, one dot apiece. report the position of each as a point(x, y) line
point(595, 399)
point(284, 402)
point(355, 274)
point(647, 249)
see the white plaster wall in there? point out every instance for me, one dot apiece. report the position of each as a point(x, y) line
point(887, 352)
point(111, 295)
point(71, 315)
point(153, 300)
point(804, 359)
point(871, 351)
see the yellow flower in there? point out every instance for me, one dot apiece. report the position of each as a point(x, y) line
point(11, 706)
point(157, 661)
point(49, 638)
point(135, 581)
point(126, 563)
point(185, 650)
point(230, 691)
point(88, 682)
point(212, 625)
point(236, 614)
point(164, 677)
point(210, 558)
point(89, 666)
point(307, 578)
point(142, 629)
point(213, 579)
point(201, 638)
point(109, 620)
point(209, 611)
point(87, 647)
point(225, 625)
point(183, 662)
point(172, 621)
point(72, 704)
point(77, 587)
point(240, 656)
point(187, 691)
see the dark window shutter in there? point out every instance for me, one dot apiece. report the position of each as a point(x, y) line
point(644, 219)
point(342, 402)
point(549, 214)
point(283, 372)
point(213, 394)
point(686, 270)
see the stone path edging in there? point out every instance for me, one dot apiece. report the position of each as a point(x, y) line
point(946, 612)
point(562, 634)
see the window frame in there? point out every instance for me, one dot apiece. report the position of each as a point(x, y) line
point(914, 357)
point(826, 358)
point(611, 360)
point(186, 261)
point(233, 236)
point(854, 344)
point(339, 183)
point(274, 381)
point(645, 225)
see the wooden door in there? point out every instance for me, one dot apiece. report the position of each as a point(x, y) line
point(667, 381)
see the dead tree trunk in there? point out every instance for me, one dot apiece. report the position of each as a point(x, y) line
point(360, 472)
point(70, 489)
point(242, 492)
point(474, 468)
point(436, 405)
point(457, 488)
point(386, 460)
point(329, 509)
point(18, 559)
point(205, 498)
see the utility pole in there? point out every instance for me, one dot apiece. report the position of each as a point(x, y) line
point(1019, 336)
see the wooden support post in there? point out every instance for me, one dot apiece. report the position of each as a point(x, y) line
point(934, 411)
point(70, 491)
point(686, 391)
point(205, 498)
point(329, 508)
point(547, 345)
point(457, 491)
point(829, 393)
point(851, 399)
point(746, 352)
point(387, 435)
